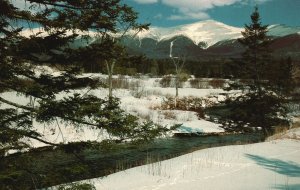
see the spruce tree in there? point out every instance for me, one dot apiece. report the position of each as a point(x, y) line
point(284, 80)
point(257, 53)
point(61, 23)
point(260, 105)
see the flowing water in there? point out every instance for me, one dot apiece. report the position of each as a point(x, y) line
point(51, 167)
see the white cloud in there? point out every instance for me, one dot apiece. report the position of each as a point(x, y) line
point(189, 15)
point(196, 9)
point(146, 1)
point(253, 2)
point(198, 4)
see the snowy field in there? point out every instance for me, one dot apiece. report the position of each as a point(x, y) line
point(269, 165)
point(142, 97)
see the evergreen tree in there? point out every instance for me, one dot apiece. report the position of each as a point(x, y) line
point(257, 53)
point(260, 106)
point(61, 23)
point(284, 79)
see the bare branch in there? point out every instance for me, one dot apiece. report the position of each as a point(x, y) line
point(60, 5)
point(35, 110)
point(16, 105)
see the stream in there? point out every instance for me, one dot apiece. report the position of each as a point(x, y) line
point(45, 168)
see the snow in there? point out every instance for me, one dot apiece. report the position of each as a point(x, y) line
point(268, 165)
point(146, 108)
point(41, 32)
point(209, 31)
point(38, 70)
point(200, 126)
point(282, 30)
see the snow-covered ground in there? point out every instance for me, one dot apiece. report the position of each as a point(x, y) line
point(143, 98)
point(262, 166)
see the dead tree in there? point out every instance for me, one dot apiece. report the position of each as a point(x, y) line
point(178, 63)
point(110, 69)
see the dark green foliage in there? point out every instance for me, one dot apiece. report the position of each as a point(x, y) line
point(260, 105)
point(62, 23)
point(259, 109)
point(257, 53)
point(281, 76)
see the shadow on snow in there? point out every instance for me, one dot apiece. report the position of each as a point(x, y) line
point(287, 187)
point(290, 169)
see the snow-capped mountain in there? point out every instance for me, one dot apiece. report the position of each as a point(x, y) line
point(281, 30)
point(208, 31)
point(204, 39)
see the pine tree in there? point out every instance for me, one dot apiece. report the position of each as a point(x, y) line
point(257, 53)
point(285, 81)
point(260, 106)
point(61, 23)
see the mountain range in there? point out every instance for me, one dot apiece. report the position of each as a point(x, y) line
point(204, 40)
point(207, 40)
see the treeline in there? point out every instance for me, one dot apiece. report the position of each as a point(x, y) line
point(276, 69)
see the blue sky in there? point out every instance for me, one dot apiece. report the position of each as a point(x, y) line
point(232, 12)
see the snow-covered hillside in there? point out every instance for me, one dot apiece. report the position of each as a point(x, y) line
point(208, 31)
point(282, 30)
point(271, 165)
point(143, 99)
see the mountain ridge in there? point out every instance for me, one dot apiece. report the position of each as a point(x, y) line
point(207, 40)
point(209, 31)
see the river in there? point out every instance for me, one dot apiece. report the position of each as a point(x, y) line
point(47, 167)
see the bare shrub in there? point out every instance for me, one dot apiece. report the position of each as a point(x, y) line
point(154, 92)
point(246, 82)
point(137, 90)
point(217, 83)
point(169, 115)
point(183, 77)
point(186, 104)
point(293, 108)
point(124, 83)
point(169, 80)
point(166, 81)
point(199, 83)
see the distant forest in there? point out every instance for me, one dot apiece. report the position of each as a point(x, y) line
point(219, 68)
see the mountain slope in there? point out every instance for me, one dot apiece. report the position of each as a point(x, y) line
point(208, 31)
point(280, 30)
point(209, 39)
point(200, 40)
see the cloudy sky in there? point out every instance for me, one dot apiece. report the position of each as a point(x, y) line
point(231, 12)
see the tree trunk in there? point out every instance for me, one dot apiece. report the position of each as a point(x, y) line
point(176, 88)
point(110, 69)
point(178, 67)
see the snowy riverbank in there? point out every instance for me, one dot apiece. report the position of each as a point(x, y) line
point(268, 165)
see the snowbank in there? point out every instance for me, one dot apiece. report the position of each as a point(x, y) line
point(200, 126)
point(261, 166)
point(147, 107)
